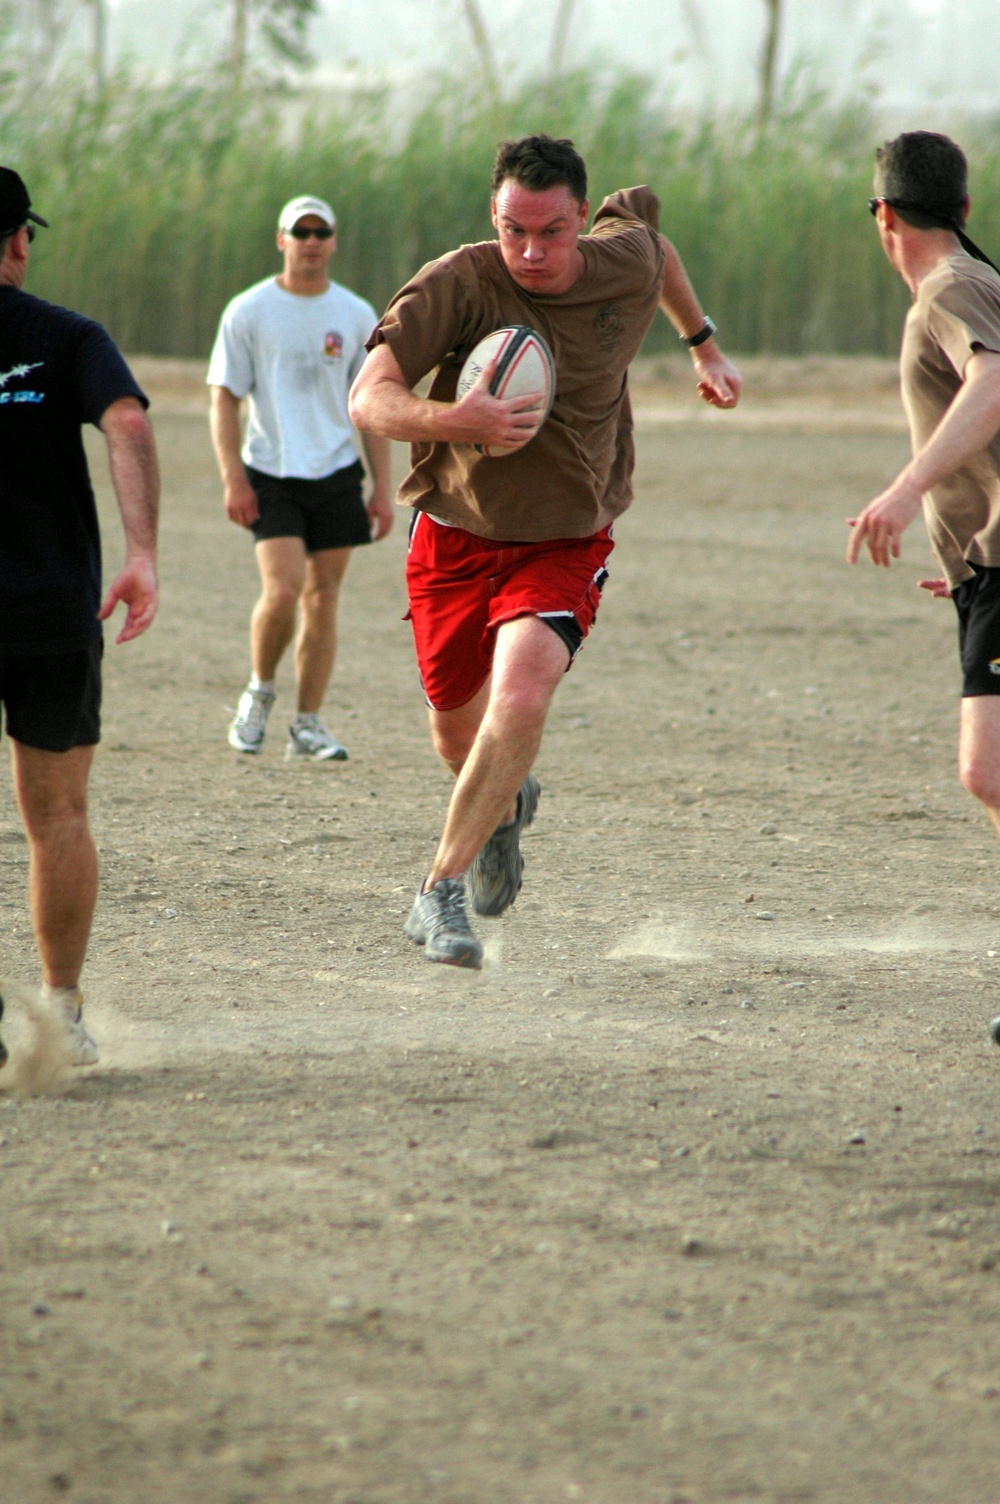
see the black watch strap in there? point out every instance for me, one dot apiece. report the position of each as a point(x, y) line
point(705, 332)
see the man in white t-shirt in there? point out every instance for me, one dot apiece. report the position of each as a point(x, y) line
point(291, 346)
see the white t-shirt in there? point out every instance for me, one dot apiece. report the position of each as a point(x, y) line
point(294, 358)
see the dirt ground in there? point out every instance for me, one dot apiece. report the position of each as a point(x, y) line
point(691, 1196)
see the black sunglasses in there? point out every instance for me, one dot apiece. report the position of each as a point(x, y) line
point(300, 232)
point(954, 224)
point(902, 203)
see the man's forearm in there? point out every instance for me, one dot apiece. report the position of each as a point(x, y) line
point(677, 298)
point(134, 473)
point(227, 435)
point(969, 425)
point(378, 453)
point(387, 410)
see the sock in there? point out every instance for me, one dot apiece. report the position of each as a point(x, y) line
point(261, 686)
point(69, 999)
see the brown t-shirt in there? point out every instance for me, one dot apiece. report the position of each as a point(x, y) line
point(575, 475)
point(956, 313)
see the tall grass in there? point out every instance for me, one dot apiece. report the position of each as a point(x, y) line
point(163, 201)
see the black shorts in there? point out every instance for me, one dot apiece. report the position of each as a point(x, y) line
point(326, 513)
point(977, 602)
point(53, 700)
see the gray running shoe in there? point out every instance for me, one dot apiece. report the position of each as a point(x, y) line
point(308, 737)
point(438, 921)
point(68, 1009)
point(3, 1047)
point(496, 871)
point(246, 734)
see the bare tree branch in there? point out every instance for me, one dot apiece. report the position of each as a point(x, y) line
point(281, 26)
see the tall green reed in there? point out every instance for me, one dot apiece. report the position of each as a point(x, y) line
point(163, 200)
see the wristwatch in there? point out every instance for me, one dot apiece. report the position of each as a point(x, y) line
point(706, 331)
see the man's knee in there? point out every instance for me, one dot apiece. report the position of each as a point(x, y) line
point(52, 790)
point(281, 595)
point(452, 748)
point(979, 749)
point(524, 696)
point(980, 775)
point(320, 598)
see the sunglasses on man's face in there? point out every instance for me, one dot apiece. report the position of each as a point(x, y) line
point(302, 232)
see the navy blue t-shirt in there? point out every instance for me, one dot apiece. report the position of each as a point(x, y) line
point(58, 370)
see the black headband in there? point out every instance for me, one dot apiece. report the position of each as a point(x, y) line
point(948, 219)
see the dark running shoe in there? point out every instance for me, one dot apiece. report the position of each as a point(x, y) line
point(496, 872)
point(438, 922)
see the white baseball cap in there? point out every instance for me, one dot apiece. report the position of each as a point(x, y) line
point(297, 208)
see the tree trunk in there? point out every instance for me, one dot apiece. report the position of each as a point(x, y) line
point(238, 43)
point(768, 65)
point(481, 42)
point(696, 27)
point(98, 44)
point(560, 32)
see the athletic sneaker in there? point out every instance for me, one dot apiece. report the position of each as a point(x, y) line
point(496, 871)
point(67, 1003)
point(3, 1047)
point(308, 737)
point(246, 733)
point(438, 921)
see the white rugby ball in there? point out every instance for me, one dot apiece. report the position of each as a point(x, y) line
point(524, 364)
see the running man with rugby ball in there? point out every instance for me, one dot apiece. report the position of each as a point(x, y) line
point(508, 555)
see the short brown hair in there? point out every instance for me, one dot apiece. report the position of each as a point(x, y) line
point(540, 162)
point(924, 176)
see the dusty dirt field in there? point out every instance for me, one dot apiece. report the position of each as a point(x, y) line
point(690, 1197)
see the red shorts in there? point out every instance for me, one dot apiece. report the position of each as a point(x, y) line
point(461, 588)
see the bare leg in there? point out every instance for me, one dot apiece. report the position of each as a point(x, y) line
point(282, 564)
point(979, 751)
point(316, 647)
point(453, 732)
point(52, 794)
point(528, 664)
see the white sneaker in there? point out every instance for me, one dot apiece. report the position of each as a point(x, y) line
point(308, 737)
point(67, 1003)
point(246, 734)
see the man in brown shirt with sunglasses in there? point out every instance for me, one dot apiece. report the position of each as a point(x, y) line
point(950, 370)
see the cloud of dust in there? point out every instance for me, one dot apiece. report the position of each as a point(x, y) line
point(668, 940)
point(39, 1063)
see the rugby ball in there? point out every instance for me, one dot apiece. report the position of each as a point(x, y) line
point(524, 364)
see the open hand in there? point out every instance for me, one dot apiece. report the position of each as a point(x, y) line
point(381, 515)
point(883, 522)
point(136, 585)
point(719, 381)
point(501, 422)
point(241, 503)
point(939, 589)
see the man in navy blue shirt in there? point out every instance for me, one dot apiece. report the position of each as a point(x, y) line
point(58, 371)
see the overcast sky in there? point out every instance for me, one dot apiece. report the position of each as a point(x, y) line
point(917, 56)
